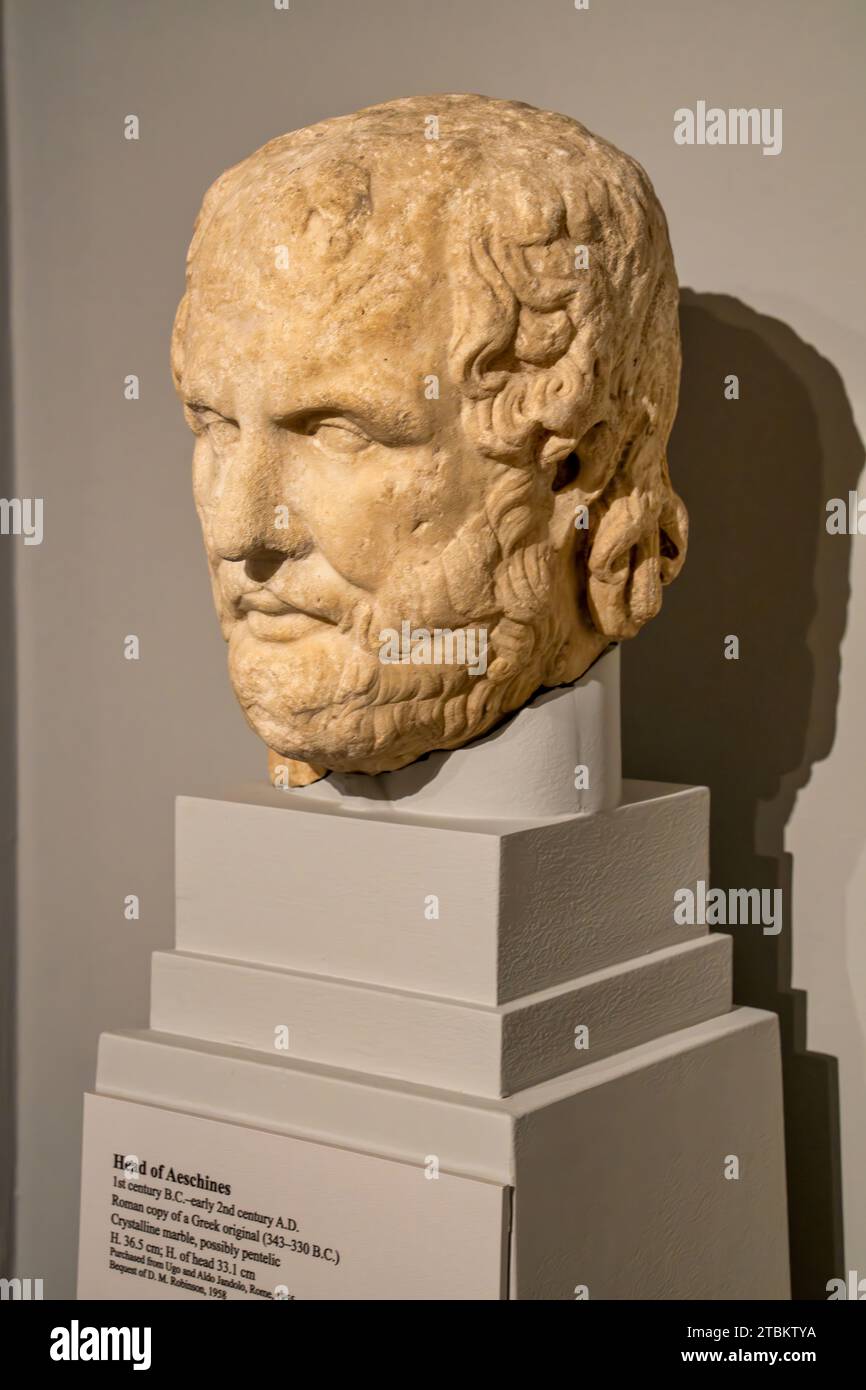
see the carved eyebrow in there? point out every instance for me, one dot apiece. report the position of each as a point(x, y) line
point(199, 396)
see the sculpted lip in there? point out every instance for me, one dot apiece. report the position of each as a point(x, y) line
point(263, 601)
point(273, 620)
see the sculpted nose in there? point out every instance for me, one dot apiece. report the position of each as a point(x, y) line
point(243, 510)
point(251, 516)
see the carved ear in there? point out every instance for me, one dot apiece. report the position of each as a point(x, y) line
point(673, 536)
point(635, 549)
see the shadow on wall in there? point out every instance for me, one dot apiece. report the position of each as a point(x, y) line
point(756, 474)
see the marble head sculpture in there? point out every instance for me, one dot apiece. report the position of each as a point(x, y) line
point(431, 358)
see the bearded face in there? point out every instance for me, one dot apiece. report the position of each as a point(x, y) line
point(339, 504)
point(367, 544)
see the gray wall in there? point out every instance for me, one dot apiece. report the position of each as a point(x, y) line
point(770, 249)
point(7, 749)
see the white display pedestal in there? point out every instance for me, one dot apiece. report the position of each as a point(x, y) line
point(442, 1056)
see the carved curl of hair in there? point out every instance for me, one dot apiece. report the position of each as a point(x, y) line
point(558, 357)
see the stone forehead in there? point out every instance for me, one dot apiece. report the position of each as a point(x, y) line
point(362, 224)
point(314, 242)
point(391, 181)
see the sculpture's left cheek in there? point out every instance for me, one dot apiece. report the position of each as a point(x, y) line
point(368, 515)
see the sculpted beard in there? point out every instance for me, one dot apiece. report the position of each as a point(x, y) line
point(329, 699)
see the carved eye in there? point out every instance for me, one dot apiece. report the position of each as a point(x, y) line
point(204, 421)
point(339, 436)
